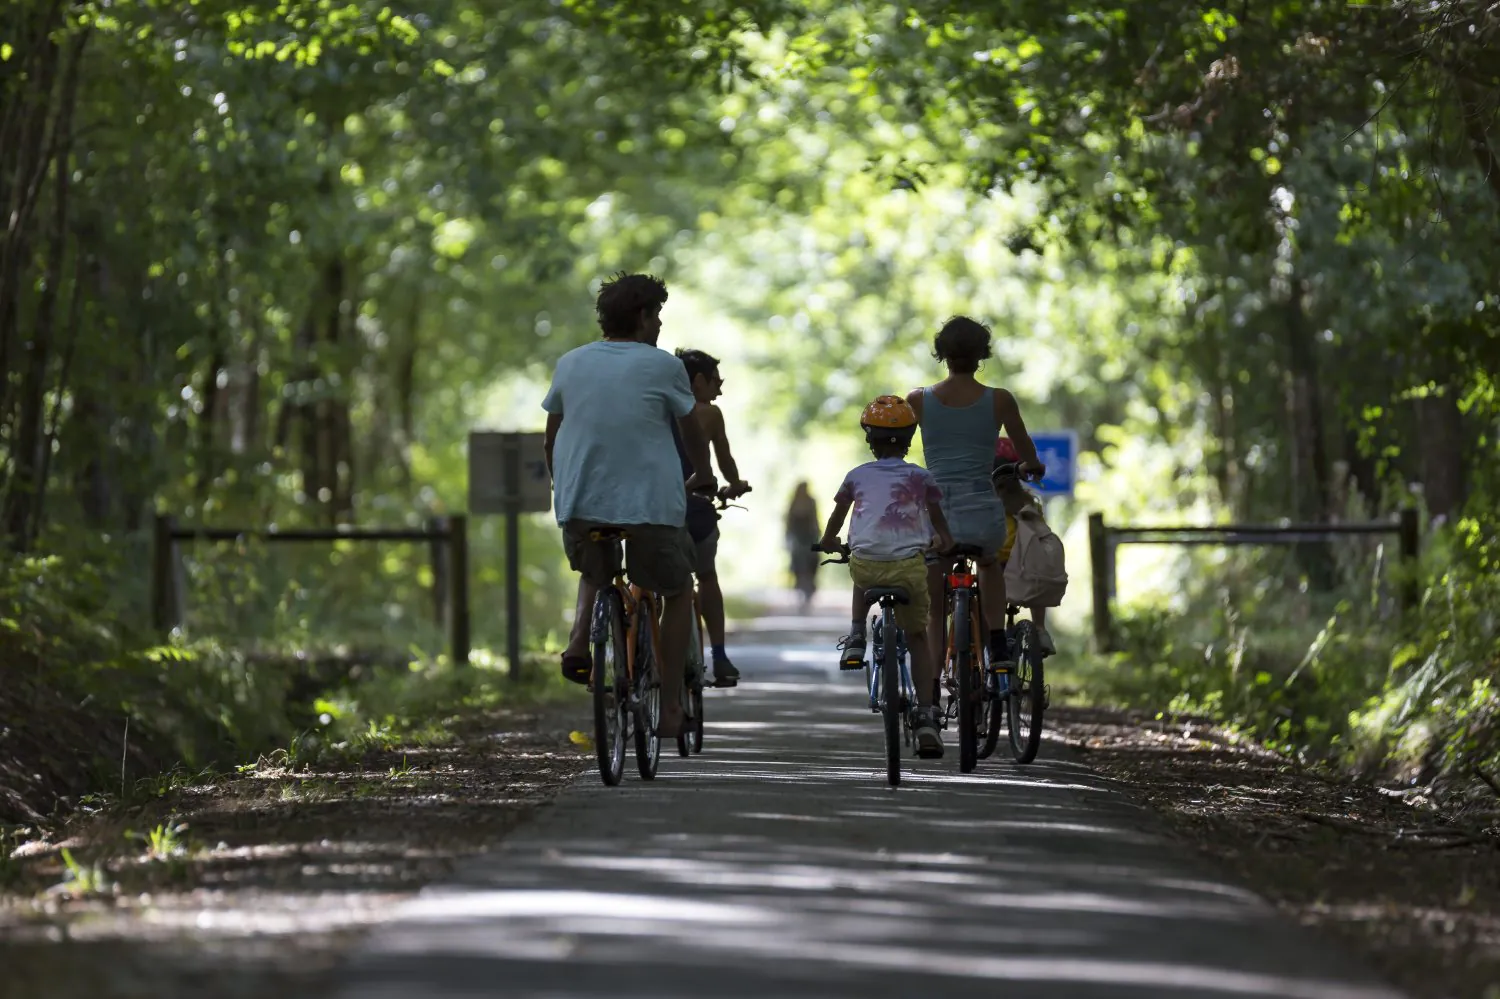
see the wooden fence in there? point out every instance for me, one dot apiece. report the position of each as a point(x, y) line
point(1104, 538)
point(447, 538)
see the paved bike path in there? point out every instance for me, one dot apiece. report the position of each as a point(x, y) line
point(778, 864)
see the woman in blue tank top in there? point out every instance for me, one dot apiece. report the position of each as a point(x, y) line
point(960, 421)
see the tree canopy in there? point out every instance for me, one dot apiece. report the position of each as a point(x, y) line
point(265, 260)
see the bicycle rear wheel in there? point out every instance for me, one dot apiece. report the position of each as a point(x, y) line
point(1028, 695)
point(690, 738)
point(968, 685)
point(890, 683)
point(695, 740)
point(647, 699)
point(611, 685)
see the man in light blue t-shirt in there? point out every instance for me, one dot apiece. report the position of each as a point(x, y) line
point(614, 463)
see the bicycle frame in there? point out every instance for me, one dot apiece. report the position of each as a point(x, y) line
point(632, 597)
point(872, 670)
point(960, 575)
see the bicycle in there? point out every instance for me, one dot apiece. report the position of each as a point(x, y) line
point(963, 667)
point(1015, 688)
point(690, 737)
point(1011, 691)
point(625, 682)
point(887, 675)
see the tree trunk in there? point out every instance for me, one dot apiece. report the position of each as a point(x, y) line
point(1477, 119)
point(1309, 452)
point(27, 481)
point(207, 463)
point(1309, 469)
point(27, 147)
point(1440, 450)
point(65, 371)
point(406, 385)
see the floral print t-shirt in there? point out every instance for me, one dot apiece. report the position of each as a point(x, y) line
point(889, 501)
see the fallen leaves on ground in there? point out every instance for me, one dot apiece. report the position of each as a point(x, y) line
point(255, 884)
point(1415, 889)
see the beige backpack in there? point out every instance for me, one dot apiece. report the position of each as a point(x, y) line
point(1037, 573)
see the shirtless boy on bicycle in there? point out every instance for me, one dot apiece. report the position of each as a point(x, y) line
point(702, 519)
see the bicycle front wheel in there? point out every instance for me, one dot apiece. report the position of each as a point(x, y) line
point(610, 684)
point(890, 684)
point(991, 715)
point(1028, 695)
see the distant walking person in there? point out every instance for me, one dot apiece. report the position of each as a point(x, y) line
point(803, 529)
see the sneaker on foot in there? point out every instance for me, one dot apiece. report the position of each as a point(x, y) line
point(928, 735)
point(725, 675)
point(1044, 642)
point(852, 652)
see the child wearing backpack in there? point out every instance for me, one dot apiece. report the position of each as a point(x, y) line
point(1036, 575)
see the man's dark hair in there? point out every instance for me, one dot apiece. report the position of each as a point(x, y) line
point(623, 298)
point(961, 344)
point(698, 362)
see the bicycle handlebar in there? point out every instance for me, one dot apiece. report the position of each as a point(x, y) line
point(1008, 470)
point(721, 497)
point(842, 553)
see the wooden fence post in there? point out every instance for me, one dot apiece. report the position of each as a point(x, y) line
point(1102, 565)
point(458, 588)
point(437, 554)
point(1411, 546)
point(163, 577)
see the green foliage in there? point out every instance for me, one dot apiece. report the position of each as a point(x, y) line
point(305, 246)
point(1439, 711)
point(11, 868)
point(83, 879)
point(164, 841)
point(1251, 650)
point(1407, 696)
point(418, 703)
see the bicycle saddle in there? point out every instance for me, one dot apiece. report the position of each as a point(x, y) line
point(875, 593)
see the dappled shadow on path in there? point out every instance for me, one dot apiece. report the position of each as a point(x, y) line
point(778, 864)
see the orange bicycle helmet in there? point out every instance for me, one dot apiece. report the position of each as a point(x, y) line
point(889, 417)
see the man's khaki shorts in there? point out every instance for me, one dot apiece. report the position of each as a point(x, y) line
point(659, 558)
point(908, 572)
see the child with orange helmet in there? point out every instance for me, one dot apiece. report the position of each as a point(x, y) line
point(898, 517)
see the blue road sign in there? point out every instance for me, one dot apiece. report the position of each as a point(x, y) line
point(1058, 450)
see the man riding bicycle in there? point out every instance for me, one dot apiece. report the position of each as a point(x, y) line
point(609, 445)
point(702, 518)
